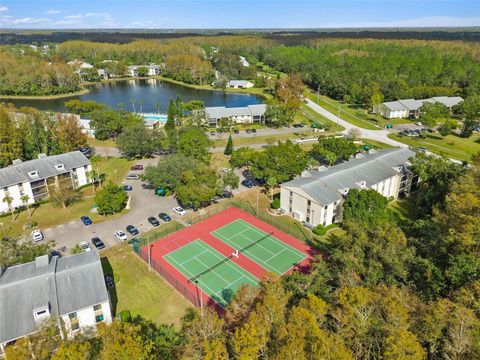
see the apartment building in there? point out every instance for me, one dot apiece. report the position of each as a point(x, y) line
point(71, 289)
point(240, 115)
point(317, 196)
point(34, 179)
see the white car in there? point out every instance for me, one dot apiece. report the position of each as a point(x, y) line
point(85, 246)
point(120, 235)
point(179, 210)
point(227, 170)
point(37, 235)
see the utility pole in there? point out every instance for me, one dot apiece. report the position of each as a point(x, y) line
point(258, 191)
point(311, 223)
point(149, 255)
point(199, 293)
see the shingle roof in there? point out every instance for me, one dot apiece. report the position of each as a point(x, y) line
point(448, 101)
point(257, 109)
point(18, 173)
point(411, 104)
point(218, 112)
point(67, 284)
point(324, 186)
point(394, 106)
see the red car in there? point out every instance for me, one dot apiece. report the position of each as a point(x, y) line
point(137, 167)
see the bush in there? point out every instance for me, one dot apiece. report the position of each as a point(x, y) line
point(319, 230)
point(110, 199)
point(275, 204)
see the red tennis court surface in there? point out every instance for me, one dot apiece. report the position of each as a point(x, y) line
point(178, 268)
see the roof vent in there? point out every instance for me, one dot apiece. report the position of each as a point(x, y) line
point(42, 261)
point(42, 156)
point(16, 161)
point(60, 167)
point(41, 312)
point(33, 174)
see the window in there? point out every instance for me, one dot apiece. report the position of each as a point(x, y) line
point(97, 307)
point(33, 174)
point(59, 167)
point(74, 325)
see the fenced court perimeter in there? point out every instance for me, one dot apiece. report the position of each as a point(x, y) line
point(261, 247)
point(214, 273)
point(208, 262)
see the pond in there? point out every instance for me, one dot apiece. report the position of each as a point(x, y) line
point(145, 94)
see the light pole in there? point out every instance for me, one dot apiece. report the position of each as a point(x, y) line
point(258, 191)
point(199, 293)
point(311, 223)
point(149, 255)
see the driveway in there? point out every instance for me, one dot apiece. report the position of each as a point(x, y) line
point(378, 135)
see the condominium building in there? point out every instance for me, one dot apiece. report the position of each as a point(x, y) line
point(240, 115)
point(317, 196)
point(31, 181)
point(68, 291)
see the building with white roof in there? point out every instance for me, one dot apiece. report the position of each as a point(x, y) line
point(411, 108)
point(37, 178)
point(317, 196)
point(241, 115)
point(239, 84)
point(71, 289)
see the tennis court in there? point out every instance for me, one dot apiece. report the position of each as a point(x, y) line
point(216, 275)
point(266, 250)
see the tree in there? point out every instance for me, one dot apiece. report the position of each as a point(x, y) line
point(193, 142)
point(9, 200)
point(470, 109)
point(229, 147)
point(283, 162)
point(433, 113)
point(366, 206)
point(157, 106)
point(110, 123)
point(69, 133)
point(13, 251)
point(331, 149)
point(278, 116)
point(242, 157)
point(72, 350)
point(137, 141)
point(271, 183)
point(171, 117)
point(142, 71)
point(290, 91)
point(83, 107)
point(447, 127)
point(64, 196)
point(25, 198)
point(230, 180)
point(10, 138)
point(110, 199)
point(168, 171)
point(197, 186)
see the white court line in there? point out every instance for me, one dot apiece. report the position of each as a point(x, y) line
point(271, 257)
point(193, 258)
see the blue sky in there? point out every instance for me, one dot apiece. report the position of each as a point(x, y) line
point(80, 14)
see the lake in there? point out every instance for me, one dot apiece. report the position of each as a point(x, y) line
point(146, 91)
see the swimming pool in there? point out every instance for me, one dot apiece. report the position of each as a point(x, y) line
point(154, 120)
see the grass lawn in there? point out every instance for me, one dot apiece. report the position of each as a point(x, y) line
point(452, 146)
point(269, 139)
point(403, 209)
point(141, 292)
point(101, 143)
point(376, 144)
point(308, 116)
point(49, 214)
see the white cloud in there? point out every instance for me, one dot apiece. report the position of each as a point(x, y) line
point(87, 20)
point(10, 21)
point(52, 12)
point(432, 21)
point(3, 8)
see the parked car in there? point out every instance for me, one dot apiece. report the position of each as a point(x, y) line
point(109, 281)
point(227, 170)
point(247, 183)
point(422, 149)
point(127, 187)
point(85, 246)
point(179, 210)
point(98, 243)
point(120, 235)
point(212, 133)
point(37, 235)
point(153, 221)
point(236, 131)
point(132, 177)
point(254, 130)
point(260, 181)
point(298, 125)
point(85, 150)
point(132, 230)
point(164, 217)
point(137, 167)
point(248, 131)
point(86, 220)
point(306, 224)
point(226, 194)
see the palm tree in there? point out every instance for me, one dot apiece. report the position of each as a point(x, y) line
point(271, 183)
point(132, 101)
point(92, 175)
point(25, 198)
point(121, 106)
point(157, 106)
point(8, 199)
point(140, 102)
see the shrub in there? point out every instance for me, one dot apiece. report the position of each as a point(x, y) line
point(319, 230)
point(275, 204)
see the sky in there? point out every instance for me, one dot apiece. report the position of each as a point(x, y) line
point(216, 14)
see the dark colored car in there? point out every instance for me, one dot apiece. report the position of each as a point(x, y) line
point(98, 243)
point(248, 131)
point(137, 167)
point(85, 150)
point(132, 230)
point(164, 217)
point(254, 130)
point(153, 221)
point(109, 281)
point(260, 181)
point(86, 220)
point(226, 195)
point(247, 183)
point(236, 131)
point(127, 187)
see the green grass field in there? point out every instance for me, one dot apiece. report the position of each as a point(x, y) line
point(451, 146)
point(141, 292)
point(215, 274)
point(272, 254)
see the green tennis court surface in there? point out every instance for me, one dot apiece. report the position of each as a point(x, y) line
point(217, 275)
point(272, 254)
